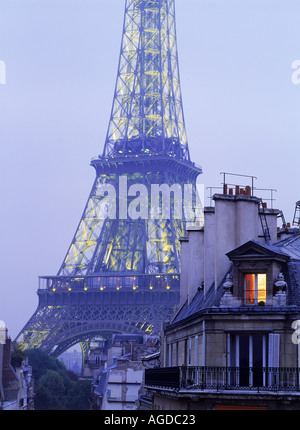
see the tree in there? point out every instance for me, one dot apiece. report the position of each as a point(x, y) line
point(52, 381)
point(78, 396)
point(44, 400)
point(56, 388)
point(17, 356)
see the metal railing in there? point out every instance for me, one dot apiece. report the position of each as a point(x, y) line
point(109, 282)
point(272, 379)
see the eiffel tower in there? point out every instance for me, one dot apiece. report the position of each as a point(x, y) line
point(121, 274)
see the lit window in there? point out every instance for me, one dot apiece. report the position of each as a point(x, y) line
point(255, 288)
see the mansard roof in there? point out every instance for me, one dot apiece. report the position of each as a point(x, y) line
point(290, 246)
point(204, 304)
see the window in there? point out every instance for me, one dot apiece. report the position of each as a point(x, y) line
point(177, 354)
point(249, 353)
point(196, 350)
point(255, 355)
point(255, 288)
point(189, 351)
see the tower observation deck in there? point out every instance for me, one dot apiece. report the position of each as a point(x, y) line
point(121, 272)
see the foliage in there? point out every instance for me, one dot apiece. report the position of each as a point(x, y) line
point(17, 356)
point(56, 388)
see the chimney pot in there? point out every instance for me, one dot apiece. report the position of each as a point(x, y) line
point(248, 190)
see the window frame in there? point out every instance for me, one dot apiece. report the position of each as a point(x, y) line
point(256, 290)
point(270, 355)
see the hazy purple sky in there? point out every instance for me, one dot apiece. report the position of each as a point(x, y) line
point(242, 115)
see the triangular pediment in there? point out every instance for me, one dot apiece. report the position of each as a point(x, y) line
point(253, 250)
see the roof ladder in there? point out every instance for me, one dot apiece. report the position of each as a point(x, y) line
point(296, 220)
point(281, 215)
point(264, 223)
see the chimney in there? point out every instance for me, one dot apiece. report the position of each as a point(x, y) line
point(236, 222)
point(209, 247)
point(233, 221)
point(196, 260)
point(286, 231)
point(185, 269)
point(248, 191)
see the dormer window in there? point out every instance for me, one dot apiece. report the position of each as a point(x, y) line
point(255, 288)
point(255, 267)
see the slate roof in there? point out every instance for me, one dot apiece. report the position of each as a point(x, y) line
point(201, 302)
point(101, 388)
point(211, 301)
point(292, 277)
point(290, 246)
point(272, 247)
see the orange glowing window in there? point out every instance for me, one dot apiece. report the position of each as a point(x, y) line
point(255, 288)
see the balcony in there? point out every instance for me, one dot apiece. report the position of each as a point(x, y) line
point(269, 379)
point(110, 282)
point(124, 399)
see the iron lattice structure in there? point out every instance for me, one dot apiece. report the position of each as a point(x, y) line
point(121, 274)
point(147, 113)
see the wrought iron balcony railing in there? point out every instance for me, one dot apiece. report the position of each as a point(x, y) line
point(272, 379)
